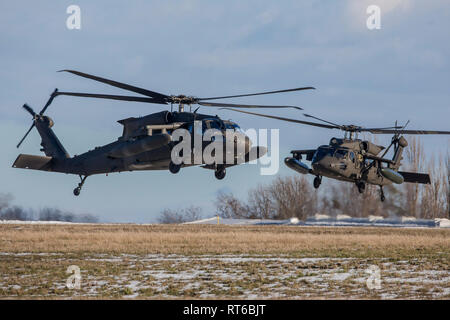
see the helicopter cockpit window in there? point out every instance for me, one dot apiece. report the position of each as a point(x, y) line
point(352, 156)
point(341, 154)
point(322, 153)
point(194, 128)
point(214, 124)
point(232, 126)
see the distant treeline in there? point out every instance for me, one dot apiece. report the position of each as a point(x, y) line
point(12, 212)
point(294, 196)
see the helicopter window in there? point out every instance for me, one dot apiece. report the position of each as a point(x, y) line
point(214, 125)
point(341, 154)
point(188, 127)
point(321, 153)
point(194, 128)
point(352, 156)
point(232, 126)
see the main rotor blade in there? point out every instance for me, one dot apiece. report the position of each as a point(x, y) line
point(231, 105)
point(112, 97)
point(310, 116)
point(26, 134)
point(385, 128)
point(349, 128)
point(49, 101)
point(259, 93)
point(383, 131)
point(287, 119)
point(29, 109)
point(120, 85)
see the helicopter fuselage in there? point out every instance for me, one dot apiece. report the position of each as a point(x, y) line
point(345, 164)
point(342, 159)
point(146, 144)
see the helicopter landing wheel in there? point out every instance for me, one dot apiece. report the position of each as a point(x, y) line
point(174, 168)
point(77, 190)
point(317, 181)
point(220, 173)
point(382, 197)
point(361, 186)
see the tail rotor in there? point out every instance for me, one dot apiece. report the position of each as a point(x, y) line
point(35, 115)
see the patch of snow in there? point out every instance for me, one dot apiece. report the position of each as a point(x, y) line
point(375, 218)
point(339, 221)
point(342, 217)
point(318, 216)
point(35, 222)
point(294, 220)
point(442, 223)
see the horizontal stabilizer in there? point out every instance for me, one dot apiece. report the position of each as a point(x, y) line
point(27, 161)
point(416, 177)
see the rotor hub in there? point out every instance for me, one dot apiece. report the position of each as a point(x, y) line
point(182, 99)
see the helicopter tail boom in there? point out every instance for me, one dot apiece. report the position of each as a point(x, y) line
point(50, 143)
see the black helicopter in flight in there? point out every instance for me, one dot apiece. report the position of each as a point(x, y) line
point(146, 142)
point(354, 160)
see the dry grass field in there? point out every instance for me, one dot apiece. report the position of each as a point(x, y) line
point(207, 261)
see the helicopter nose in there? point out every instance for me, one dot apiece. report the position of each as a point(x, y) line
point(318, 166)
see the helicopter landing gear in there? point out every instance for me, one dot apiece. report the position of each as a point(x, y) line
point(174, 168)
point(382, 197)
point(220, 172)
point(77, 190)
point(317, 181)
point(361, 186)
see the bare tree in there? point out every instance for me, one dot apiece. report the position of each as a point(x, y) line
point(14, 213)
point(228, 206)
point(192, 213)
point(293, 197)
point(8, 212)
point(284, 198)
point(169, 216)
point(5, 201)
point(415, 159)
point(260, 203)
point(446, 185)
point(344, 198)
point(435, 195)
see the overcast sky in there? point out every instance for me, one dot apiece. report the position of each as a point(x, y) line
point(207, 48)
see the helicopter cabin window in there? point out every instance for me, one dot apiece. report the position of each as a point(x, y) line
point(341, 154)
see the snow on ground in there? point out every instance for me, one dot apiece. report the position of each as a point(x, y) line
point(316, 220)
point(267, 276)
point(340, 220)
point(35, 222)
